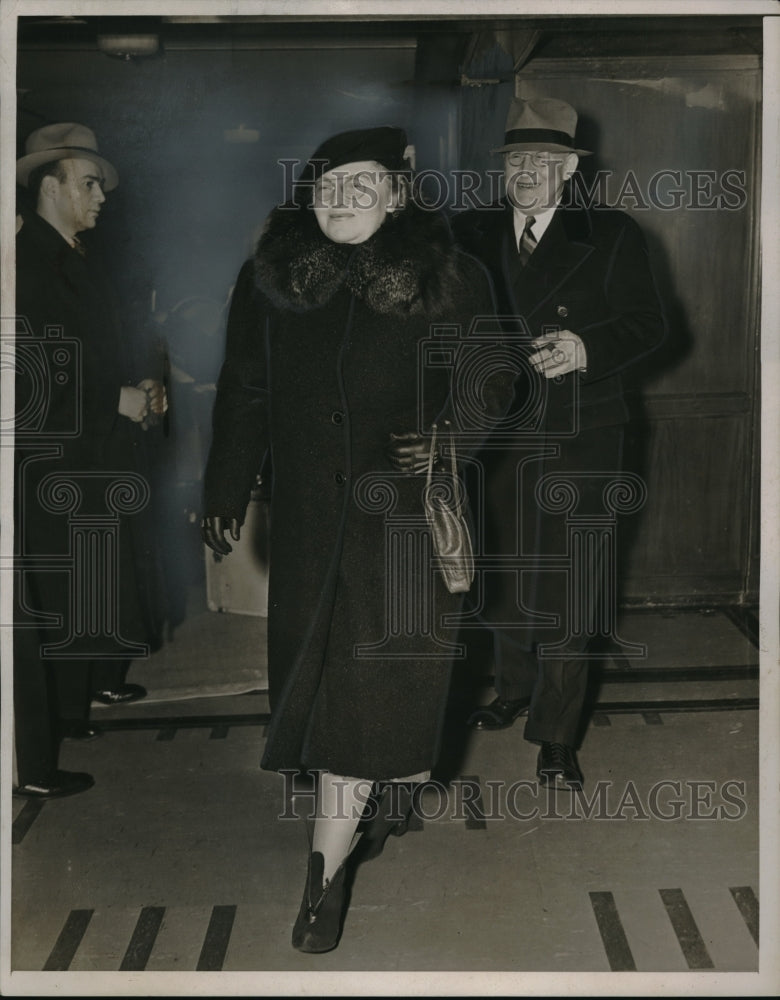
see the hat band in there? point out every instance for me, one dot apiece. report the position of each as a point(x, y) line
point(538, 135)
point(76, 149)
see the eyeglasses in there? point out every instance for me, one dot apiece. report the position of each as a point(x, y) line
point(523, 157)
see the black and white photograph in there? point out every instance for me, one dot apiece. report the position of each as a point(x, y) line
point(390, 494)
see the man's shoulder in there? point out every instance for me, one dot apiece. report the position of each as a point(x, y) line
point(601, 221)
point(36, 240)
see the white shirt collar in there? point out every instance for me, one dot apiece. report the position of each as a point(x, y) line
point(543, 220)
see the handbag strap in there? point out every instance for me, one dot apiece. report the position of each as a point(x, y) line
point(452, 453)
point(453, 462)
point(429, 478)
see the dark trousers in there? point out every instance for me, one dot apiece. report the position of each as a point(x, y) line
point(557, 686)
point(36, 735)
point(77, 680)
point(48, 694)
point(557, 689)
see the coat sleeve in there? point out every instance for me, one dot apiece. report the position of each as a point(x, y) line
point(482, 387)
point(633, 324)
point(240, 422)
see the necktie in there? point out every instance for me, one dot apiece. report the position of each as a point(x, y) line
point(527, 243)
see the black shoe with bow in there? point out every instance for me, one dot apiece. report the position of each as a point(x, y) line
point(321, 917)
point(556, 766)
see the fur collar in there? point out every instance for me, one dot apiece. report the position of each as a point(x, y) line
point(409, 267)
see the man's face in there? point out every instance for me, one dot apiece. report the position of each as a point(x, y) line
point(76, 201)
point(352, 201)
point(534, 179)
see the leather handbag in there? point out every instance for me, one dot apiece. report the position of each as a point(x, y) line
point(445, 504)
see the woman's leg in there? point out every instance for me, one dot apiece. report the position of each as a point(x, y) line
point(340, 806)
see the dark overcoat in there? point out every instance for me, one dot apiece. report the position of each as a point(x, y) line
point(589, 274)
point(322, 365)
point(78, 462)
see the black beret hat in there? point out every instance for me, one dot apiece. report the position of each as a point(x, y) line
point(385, 144)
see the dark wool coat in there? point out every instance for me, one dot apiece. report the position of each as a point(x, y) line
point(322, 364)
point(590, 274)
point(68, 381)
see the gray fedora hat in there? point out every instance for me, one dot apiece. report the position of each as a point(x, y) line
point(542, 123)
point(64, 141)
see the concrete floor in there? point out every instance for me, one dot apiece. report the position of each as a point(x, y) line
point(176, 861)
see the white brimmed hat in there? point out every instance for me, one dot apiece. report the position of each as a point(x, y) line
point(65, 141)
point(542, 123)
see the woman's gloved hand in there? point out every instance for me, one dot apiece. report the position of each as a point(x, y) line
point(213, 533)
point(409, 451)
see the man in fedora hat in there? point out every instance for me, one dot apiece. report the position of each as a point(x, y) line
point(576, 287)
point(79, 414)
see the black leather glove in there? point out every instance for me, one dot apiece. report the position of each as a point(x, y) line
point(213, 532)
point(409, 451)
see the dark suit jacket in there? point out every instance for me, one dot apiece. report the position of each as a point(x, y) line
point(590, 274)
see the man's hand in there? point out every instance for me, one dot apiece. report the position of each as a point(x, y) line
point(156, 394)
point(559, 353)
point(213, 533)
point(409, 451)
point(133, 403)
point(145, 403)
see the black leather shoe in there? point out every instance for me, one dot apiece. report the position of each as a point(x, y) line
point(319, 923)
point(83, 731)
point(557, 765)
point(56, 786)
point(499, 714)
point(117, 696)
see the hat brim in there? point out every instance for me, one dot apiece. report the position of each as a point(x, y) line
point(542, 147)
point(26, 164)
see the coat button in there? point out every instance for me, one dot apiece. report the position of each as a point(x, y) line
point(562, 311)
point(337, 417)
point(340, 478)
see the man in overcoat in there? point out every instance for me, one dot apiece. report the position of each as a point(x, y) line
point(576, 282)
point(85, 582)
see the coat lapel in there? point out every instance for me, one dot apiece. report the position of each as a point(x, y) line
point(562, 249)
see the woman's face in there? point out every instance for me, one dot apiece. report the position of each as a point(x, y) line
point(352, 201)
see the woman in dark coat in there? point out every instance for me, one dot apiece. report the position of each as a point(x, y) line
point(323, 367)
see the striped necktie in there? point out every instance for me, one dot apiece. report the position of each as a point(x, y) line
point(527, 243)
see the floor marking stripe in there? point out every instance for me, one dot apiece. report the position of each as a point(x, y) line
point(142, 941)
point(746, 900)
point(612, 934)
point(25, 819)
point(691, 942)
point(68, 942)
point(472, 802)
point(215, 944)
